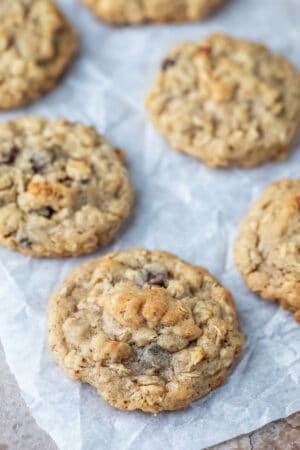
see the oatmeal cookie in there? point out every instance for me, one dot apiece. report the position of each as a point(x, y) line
point(148, 330)
point(227, 102)
point(64, 191)
point(268, 247)
point(36, 45)
point(121, 12)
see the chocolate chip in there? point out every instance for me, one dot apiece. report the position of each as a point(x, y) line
point(67, 181)
point(154, 356)
point(168, 62)
point(9, 156)
point(38, 164)
point(11, 42)
point(157, 279)
point(84, 181)
point(45, 211)
point(25, 242)
point(26, 10)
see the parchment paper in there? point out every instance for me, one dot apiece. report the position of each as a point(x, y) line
point(183, 207)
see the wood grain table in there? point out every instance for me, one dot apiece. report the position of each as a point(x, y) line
point(18, 430)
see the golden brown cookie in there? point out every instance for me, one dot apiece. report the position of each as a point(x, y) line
point(36, 45)
point(147, 329)
point(64, 190)
point(227, 102)
point(121, 12)
point(267, 250)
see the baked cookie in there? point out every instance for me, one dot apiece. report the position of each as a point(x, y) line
point(64, 191)
point(227, 101)
point(268, 247)
point(148, 330)
point(36, 45)
point(121, 12)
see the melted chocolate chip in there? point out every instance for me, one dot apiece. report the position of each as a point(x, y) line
point(26, 9)
point(67, 181)
point(25, 242)
point(45, 211)
point(157, 279)
point(168, 62)
point(11, 42)
point(38, 165)
point(154, 356)
point(9, 156)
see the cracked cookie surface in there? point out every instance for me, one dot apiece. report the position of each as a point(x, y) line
point(64, 190)
point(36, 45)
point(121, 12)
point(148, 330)
point(227, 102)
point(268, 247)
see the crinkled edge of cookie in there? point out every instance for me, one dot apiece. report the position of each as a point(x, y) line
point(247, 256)
point(118, 16)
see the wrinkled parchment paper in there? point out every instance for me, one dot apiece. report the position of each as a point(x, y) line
point(182, 206)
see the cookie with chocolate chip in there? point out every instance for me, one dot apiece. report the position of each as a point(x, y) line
point(227, 101)
point(148, 330)
point(134, 12)
point(36, 45)
point(64, 190)
point(268, 246)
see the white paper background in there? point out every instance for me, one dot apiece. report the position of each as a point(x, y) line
point(182, 206)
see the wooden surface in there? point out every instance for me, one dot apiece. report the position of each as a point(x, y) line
point(18, 430)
